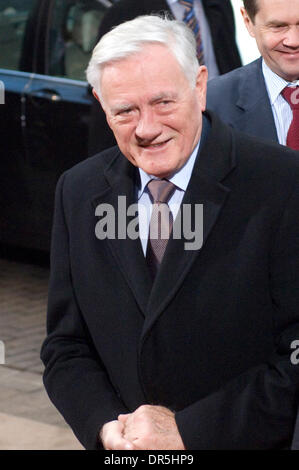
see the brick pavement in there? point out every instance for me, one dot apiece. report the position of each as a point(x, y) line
point(28, 420)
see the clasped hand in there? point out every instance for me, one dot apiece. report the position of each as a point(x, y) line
point(147, 428)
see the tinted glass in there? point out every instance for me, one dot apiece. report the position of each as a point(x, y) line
point(14, 16)
point(72, 34)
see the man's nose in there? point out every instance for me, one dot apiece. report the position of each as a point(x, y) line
point(148, 126)
point(292, 37)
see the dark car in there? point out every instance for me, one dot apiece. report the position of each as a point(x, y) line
point(45, 46)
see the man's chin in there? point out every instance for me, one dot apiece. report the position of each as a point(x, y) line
point(289, 69)
point(290, 76)
point(152, 168)
point(157, 172)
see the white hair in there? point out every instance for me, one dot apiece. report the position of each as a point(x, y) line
point(129, 37)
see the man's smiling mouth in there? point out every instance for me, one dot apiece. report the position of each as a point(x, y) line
point(289, 52)
point(155, 145)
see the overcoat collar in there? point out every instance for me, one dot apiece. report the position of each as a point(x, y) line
point(215, 160)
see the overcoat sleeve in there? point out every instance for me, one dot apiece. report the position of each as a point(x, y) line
point(74, 377)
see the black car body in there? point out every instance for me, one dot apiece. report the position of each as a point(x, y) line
point(45, 46)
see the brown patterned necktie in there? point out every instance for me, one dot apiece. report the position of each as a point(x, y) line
point(291, 95)
point(160, 192)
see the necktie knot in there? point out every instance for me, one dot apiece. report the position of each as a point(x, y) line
point(291, 95)
point(160, 191)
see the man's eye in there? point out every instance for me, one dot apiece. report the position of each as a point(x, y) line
point(278, 27)
point(125, 111)
point(165, 104)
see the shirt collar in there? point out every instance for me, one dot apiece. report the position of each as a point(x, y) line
point(274, 83)
point(181, 178)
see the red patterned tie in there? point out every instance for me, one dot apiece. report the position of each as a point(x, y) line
point(161, 222)
point(191, 21)
point(291, 95)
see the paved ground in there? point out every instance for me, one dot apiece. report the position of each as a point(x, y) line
point(28, 420)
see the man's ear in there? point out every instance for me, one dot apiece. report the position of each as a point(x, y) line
point(201, 86)
point(98, 98)
point(248, 23)
point(96, 95)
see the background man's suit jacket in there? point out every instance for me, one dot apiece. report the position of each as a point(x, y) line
point(220, 17)
point(240, 99)
point(211, 339)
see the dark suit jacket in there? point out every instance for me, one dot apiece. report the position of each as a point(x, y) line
point(240, 99)
point(211, 338)
point(220, 17)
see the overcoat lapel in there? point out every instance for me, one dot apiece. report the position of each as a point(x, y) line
point(216, 158)
point(127, 252)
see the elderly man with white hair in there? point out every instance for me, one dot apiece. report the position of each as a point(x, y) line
point(173, 300)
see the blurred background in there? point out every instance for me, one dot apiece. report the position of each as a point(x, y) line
point(45, 123)
point(246, 44)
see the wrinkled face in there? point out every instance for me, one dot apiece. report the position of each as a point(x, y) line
point(276, 30)
point(152, 110)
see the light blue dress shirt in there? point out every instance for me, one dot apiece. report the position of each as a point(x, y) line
point(208, 49)
point(180, 179)
point(281, 109)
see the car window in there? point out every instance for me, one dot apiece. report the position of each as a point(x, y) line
point(72, 34)
point(14, 15)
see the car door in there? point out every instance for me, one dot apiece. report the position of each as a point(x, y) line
point(16, 16)
point(56, 103)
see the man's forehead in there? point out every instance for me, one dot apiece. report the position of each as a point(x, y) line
point(150, 76)
point(147, 52)
point(278, 9)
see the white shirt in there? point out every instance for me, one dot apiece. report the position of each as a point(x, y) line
point(180, 179)
point(208, 49)
point(282, 112)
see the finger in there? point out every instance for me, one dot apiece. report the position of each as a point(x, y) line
point(122, 444)
point(134, 429)
point(123, 417)
point(112, 437)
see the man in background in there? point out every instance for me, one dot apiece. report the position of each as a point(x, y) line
point(212, 22)
point(262, 97)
